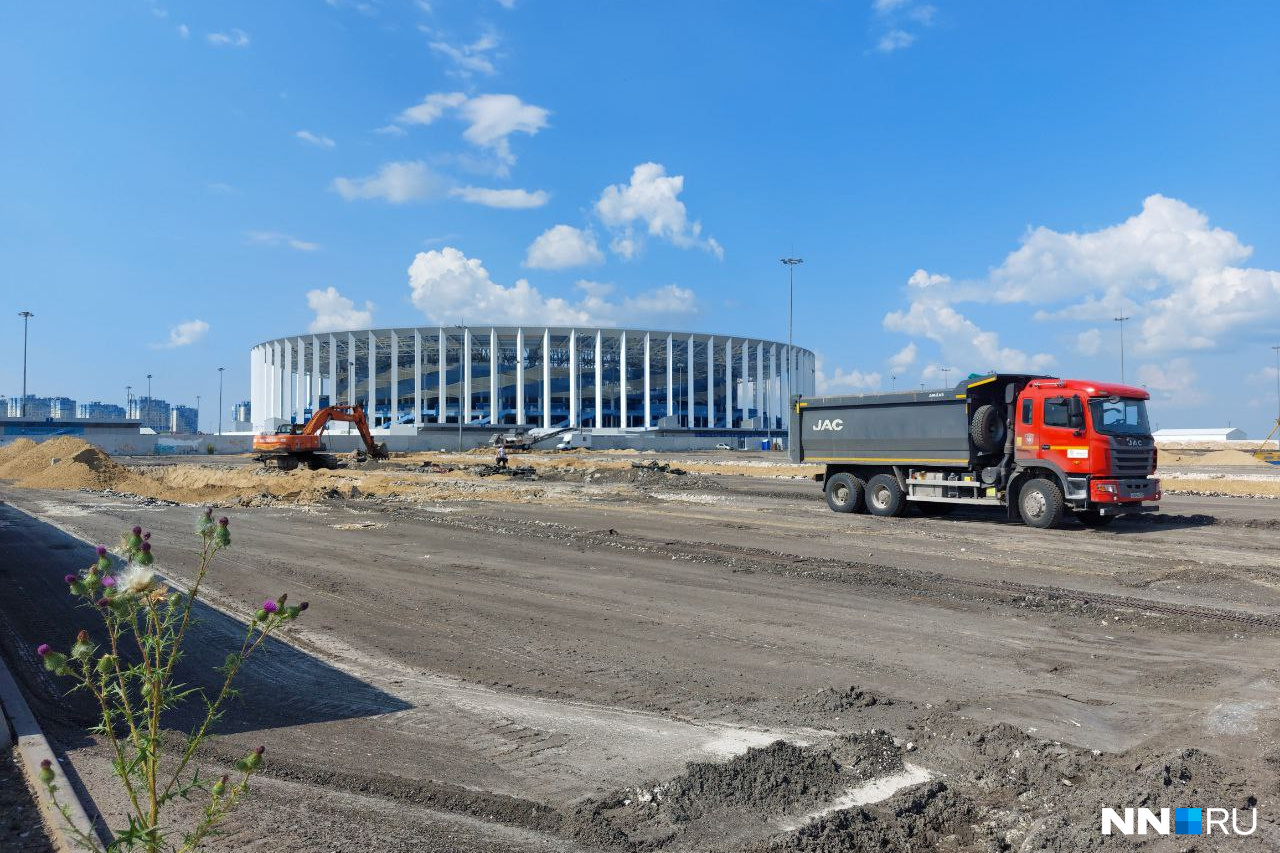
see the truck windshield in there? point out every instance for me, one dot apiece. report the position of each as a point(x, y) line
point(1119, 416)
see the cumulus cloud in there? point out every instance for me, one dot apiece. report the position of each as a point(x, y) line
point(895, 39)
point(335, 312)
point(235, 38)
point(1173, 383)
point(1165, 264)
point(509, 199)
point(184, 31)
point(1089, 342)
point(491, 120)
point(449, 287)
point(184, 334)
point(651, 201)
point(275, 238)
point(903, 359)
point(843, 381)
point(561, 247)
point(962, 342)
point(897, 22)
point(315, 139)
point(469, 59)
point(396, 182)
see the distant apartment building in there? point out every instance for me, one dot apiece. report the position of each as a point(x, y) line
point(41, 408)
point(242, 411)
point(184, 419)
point(152, 412)
point(100, 411)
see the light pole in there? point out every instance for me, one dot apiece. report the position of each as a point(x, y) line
point(128, 399)
point(1121, 319)
point(220, 369)
point(197, 414)
point(791, 263)
point(945, 371)
point(26, 317)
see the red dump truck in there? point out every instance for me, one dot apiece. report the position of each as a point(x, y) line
point(1038, 446)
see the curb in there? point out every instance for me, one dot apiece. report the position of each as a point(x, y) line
point(32, 748)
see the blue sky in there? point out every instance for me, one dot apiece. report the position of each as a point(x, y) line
point(971, 185)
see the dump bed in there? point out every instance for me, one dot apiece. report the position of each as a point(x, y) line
point(918, 427)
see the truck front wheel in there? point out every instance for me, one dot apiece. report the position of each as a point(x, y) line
point(1040, 504)
point(844, 493)
point(885, 497)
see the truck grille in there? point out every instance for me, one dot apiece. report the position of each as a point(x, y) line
point(1131, 461)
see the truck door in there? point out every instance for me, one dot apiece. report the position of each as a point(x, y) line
point(1061, 433)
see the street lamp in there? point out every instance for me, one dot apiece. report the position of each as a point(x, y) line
point(220, 369)
point(945, 371)
point(1121, 319)
point(197, 414)
point(26, 317)
point(791, 263)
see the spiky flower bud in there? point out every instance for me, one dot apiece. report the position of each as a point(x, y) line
point(106, 664)
point(55, 662)
point(220, 787)
point(252, 761)
point(83, 646)
point(69, 579)
point(137, 531)
point(46, 772)
point(44, 649)
point(270, 606)
point(223, 535)
point(304, 605)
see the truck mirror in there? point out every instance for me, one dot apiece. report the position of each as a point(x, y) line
point(1075, 413)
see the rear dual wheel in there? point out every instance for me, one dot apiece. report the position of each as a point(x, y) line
point(844, 493)
point(885, 497)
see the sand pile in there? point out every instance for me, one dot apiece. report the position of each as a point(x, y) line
point(1227, 456)
point(62, 463)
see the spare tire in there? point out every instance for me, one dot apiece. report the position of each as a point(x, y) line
point(987, 428)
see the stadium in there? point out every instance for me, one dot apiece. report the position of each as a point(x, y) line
point(421, 379)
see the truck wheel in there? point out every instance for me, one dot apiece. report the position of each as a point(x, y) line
point(844, 493)
point(987, 429)
point(1093, 519)
point(884, 496)
point(1040, 504)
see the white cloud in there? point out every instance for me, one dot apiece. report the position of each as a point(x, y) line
point(1165, 265)
point(275, 238)
point(509, 199)
point(235, 38)
point(315, 139)
point(895, 39)
point(335, 312)
point(491, 120)
point(449, 287)
point(391, 130)
point(903, 359)
point(184, 334)
point(471, 58)
point(1089, 342)
point(184, 31)
point(507, 4)
point(396, 182)
point(843, 381)
point(1172, 383)
point(652, 198)
point(961, 341)
point(561, 247)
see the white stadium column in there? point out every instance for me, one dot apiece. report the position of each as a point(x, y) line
point(745, 402)
point(466, 374)
point(759, 395)
point(622, 380)
point(773, 384)
point(711, 382)
point(573, 377)
point(351, 368)
point(728, 383)
point(255, 380)
point(288, 379)
point(671, 373)
point(395, 376)
point(442, 373)
point(333, 370)
point(417, 378)
point(493, 376)
point(520, 376)
point(315, 374)
point(688, 364)
point(371, 406)
point(648, 385)
point(546, 378)
point(596, 422)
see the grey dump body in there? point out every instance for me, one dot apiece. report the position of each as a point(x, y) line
point(919, 427)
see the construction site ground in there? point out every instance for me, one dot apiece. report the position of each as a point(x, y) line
point(494, 664)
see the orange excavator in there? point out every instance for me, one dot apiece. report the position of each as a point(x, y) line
point(292, 445)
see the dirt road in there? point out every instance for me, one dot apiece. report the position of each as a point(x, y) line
point(488, 676)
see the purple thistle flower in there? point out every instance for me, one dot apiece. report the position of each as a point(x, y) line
point(104, 602)
point(43, 650)
point(224, 521)
point(270, 606)
point(303, 606)
point(108, 581)
point(146, 546)
point(69, 579)
point(137, 531)
point(102, 550)
point(146, 536)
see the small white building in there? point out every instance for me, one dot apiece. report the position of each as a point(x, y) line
point(1222, 434)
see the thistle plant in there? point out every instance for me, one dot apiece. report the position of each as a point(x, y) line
point(132, 680)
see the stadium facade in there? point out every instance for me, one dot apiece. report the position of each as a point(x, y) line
point(428, 377)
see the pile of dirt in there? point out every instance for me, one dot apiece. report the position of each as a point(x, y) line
point(63, 463)
point(1227, 456)
point(833, 700)
point(930, 817)
point(735, 800)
